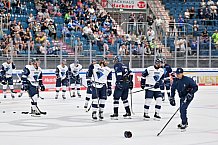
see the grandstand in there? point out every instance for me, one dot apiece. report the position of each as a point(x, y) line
point(175, 29)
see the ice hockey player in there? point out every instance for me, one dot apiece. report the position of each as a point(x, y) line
point(74, 70)
point(123, 84)
point(186, 88)
point(22, 89)
point(101, 87)
point(62, 78)
point(89, 85)
point(166, 84)
point(7, 77)
point(32, 81)
point(151, 81)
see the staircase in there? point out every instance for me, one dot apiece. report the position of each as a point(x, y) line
point(159, 11)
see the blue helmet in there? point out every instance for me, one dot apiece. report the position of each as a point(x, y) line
point(117, 58)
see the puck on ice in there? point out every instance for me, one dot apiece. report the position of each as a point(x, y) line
point(3, 111)
point(77, 106)
point(128, 134)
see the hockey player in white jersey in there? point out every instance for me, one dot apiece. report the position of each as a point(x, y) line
point(32, 81)
point(74, 70)
point(101, 87)
point(62, 78)
point(151, 81)
point(6, 76)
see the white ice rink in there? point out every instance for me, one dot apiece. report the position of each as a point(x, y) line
point(67, 123)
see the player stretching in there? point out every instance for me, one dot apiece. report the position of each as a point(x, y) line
point(101, 87)
point(123, 84)
point(32, 81)
point(186, 88)
point(152, 79)
point(6, 76)
point(89, 85)
point(62, 78)
point(74, 70)
point(167, 72)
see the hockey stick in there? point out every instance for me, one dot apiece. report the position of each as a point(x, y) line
point(170, 118)
point(131, 102)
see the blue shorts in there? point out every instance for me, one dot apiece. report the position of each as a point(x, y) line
point(121, 93)
point(33, 90)
point(75, 79)
point(100, 94)
point(152, 94)
point(60, 82)
point(8, 81)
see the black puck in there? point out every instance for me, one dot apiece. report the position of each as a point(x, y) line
point(127, 134)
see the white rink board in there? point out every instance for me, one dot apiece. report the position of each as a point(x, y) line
point(65, 124)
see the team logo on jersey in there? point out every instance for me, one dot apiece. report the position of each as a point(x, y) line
point(99, 74)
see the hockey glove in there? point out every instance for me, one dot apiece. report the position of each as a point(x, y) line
point(119, 85)
point(42, 87)
point(189, 97)
point(25, 87)
point(109, 91)
point(89, 83)
point(172, 101)
point(143, 83)
point(130, 85)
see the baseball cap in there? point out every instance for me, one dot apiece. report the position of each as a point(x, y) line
point(179, 70)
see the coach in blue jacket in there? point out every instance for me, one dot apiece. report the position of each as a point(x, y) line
point(186, 88)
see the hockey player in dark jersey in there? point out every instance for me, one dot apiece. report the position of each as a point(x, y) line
point(186, 88)
point(124, 82)
point(89, 85)
point(166, 84)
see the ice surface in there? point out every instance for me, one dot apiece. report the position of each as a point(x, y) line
point(66, 124)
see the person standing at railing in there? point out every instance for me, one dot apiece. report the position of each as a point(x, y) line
point(140, 20)
point(132, 21)
point(180, 25)
point(158, 24)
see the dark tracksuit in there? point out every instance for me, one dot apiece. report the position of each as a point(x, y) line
point(184, 86)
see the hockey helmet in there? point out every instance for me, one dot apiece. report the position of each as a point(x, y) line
point(158, 61)
point(8, 59)
point(64, 61)
point(117, 58)
point(76, 61)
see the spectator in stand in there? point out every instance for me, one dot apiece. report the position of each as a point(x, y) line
point(52, 30)
point(79, 45)
point(192, 13)
point(158, 24)
point(201, 14)
point(195, 29)
point(187, 14)
point(132, 22)
point(140, 20)
point(123, 50)
point(210, 2)
point(171, 26)
point(150, 34)
point(215, 37)
point(204, 36)
point(194, 46)
point(180, 25)
point(203, 4)
point(150, 20)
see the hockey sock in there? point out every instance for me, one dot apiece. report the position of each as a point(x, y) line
point(95, 104)
point(158, 105)
point(78, 88)
point(147, 105)
point(126, 105)
point(101, 104)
